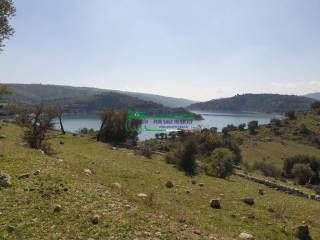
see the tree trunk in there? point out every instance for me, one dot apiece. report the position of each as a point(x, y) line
point(61, 125)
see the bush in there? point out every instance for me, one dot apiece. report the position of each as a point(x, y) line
point(253, 126)
point(291, 115)
point(221, 163)
point(242, 126)
point(302, 173)
point(146, 151)
point(315, 105)
point(312, 162)
point(187, 160)
point(276, 122)
point(317, 189)
point(267, 169)
point(304, 130)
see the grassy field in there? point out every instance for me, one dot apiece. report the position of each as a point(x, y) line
point(164, 214)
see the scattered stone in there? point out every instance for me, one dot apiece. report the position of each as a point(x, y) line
point(114, 148)
point(169, 184)
point(193, 181)
point(60, 160)
point(116, 185)
point(10, 228)
point(61, 142)
point(95, 219)
point(142, 195)
point(2, 136)
point(5, 180)
point(201, 184)
point(36, 173)
point(87, 171)
point(42, 152)
point(246, 236)
point(157, 172)
point(302, 232)
point(23, 176)
point(248, 200)
point(197, 232)
point(57, 208)
point(261, 192)
point(215, 203)
point(188, 191)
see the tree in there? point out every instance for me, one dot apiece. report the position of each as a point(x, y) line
point(253, 126)
point(291, 115)
point(187, 157)
point(221, 161)
point(116, 128)
point(242, 126)
point(302, 173)
point(38, 120)
point(4, 90)
point(7, 11)
point(60, 112)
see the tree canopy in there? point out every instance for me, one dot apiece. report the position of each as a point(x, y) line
point(7, 11)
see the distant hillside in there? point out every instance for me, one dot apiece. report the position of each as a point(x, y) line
point(313, 95)
point(267, 103)
point(113, 100)
point(31, 93)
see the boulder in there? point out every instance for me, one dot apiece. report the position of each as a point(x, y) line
point(248, 200)
point(87, 171)
point(245, 236)
point(95, 219)
point(116, 185)
point(5, 180)
point(2, 136)
point(23, 176)
point(302, 232)
point(10, 228)
point(142, 195)
point(215, 203)
point(36, 173)
point(169, 184)
point(57, 208)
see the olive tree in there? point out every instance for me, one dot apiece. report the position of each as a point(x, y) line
point(7, 11)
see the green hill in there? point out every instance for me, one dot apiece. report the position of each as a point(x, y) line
point(267, 103)
point(31, 93)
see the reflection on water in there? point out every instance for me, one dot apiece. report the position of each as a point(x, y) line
point(73, 123)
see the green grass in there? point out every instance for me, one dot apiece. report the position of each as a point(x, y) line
point(171, 214)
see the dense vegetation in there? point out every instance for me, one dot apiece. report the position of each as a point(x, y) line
point(267, 103)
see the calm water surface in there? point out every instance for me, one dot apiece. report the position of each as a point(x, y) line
point(73, 123)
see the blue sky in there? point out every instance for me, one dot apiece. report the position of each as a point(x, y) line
point(200, 50)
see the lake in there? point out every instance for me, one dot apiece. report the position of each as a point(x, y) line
point(73, 123)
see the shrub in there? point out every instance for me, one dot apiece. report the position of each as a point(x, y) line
point(276, 122)
point(304, 130)
point(317, 189)
point(315, 105)
point(242, 126)
point(187, 160)
point(302, 173)
point(38, 120)
point(267, 169)
point(221, 163)
point(291, 115)
point(146, 150)
point(253, 126)
point(312, 162)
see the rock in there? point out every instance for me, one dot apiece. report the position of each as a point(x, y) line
point(87, 171)
point(261, 192)
point(10, 228)
point(201, 184)
point(61, 142)
point(3, 136)
point(42, 152)
point(23, 176)
point(246, 236)
point(116, 185)
point(95, 219)
point(248, 200)
point(114, 148)
point(169, 184)
point(142, 195)
point(215, 203)
point(193, 181)
point(36, 173)
point(5, 180)
point(302, 232)
point(57, 208)
point(197, 232)
point(188, 191)
point(157, 172)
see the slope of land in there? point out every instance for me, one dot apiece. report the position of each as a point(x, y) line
point(164, 214)
point(315, 95)
point(267, 103)
point(31, 93)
